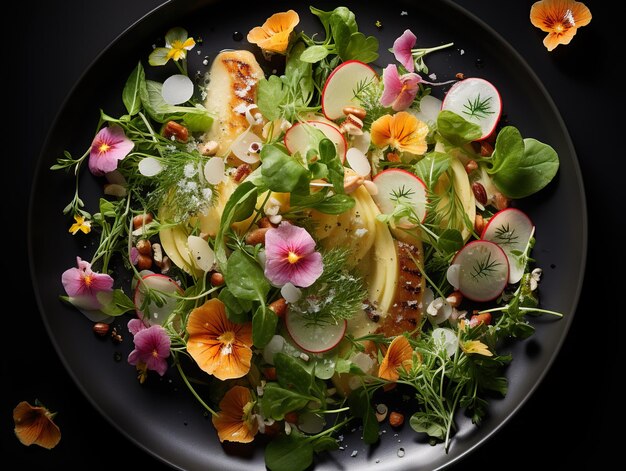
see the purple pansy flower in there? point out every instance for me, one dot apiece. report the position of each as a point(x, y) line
point(152, 347)
point(83, 285)
point(109, 146)
point(399, 90)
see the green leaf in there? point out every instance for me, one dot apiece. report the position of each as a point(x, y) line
point(130, 93)
point(307, 201)
point(154, 104)
point(277, 401)
point(288, 453)
point(292, 374)
point(522, 167)
point(428, 424)
point(299, 74)
point(328, 155)
point(270, 94)
point(115, 303)
point(360, 406)
point(244, 277)
point(198, 122)
point(359, 48)
point(264, 322)
point(335, 204)
point(107, 208)
point(325, 443)
point(282, 172)
point(457, 130)
point(314, 54)
point(450, 241)
point(237, 309)
point(431, 167)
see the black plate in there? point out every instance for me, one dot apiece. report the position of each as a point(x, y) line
point(161, 416)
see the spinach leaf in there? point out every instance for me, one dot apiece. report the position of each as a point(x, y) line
point(292, 374)
point(325, 443)
point(522, 167)
point(244, 277)
point(198, 122)
point(289, 453)
point(428, 423)
point(430, 168)
point(360, 406)
point(277, 401)
point(282, 172)
point(159, 110)
point(237, 309)
point(450, 241)
point(335, 204)
point(299, 75)
point(264, 322)
point(314, 54)
point(328, 156)
point(360, 48)
point(270, 94)
point(457, 130)
point(130, 94)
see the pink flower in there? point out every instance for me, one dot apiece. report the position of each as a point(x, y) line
point(399, 90)
point(109, 146)
point(136, 325)
point(152, 347)
point(83, 285)
point(291, 256)
point(402, 49)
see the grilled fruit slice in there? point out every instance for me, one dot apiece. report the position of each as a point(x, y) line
point(232, 88)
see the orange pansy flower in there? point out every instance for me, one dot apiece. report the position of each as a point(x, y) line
point(220, 347)
point(560, 19)
point(235, 421)
point(34, 425)
point(401, 131)
point(399, 354)
point(275, 33)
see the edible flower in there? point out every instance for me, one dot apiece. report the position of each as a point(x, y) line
point(152, 348)
point(235, 422)
point(219, 347)
point(399, 354)
point(291, 256)
point(399, 90)
point(34, 425)
point(476, 346)
point(109, 146)
point(402, 49)
point(560, 19)
point(83, 285)
point(401, 131)
point(81, 224)
point(273, 36)
point(177, 43)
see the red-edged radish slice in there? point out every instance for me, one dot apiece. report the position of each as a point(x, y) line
point(358, 161)
point(165, 286)
point(476, 100)
point(312, 337)
point(298, 138)
point(341, 85)
point(511, 229)
point(396, 183)
point(483, 270)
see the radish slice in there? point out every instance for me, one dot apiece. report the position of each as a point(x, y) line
point(359, 162)
point(177, 89)
point(511, 229)
point(476, 100)
point(149, 167)
point(394, 183)
point(429, 110)
point(298, 138)
point(163, 284)
point(242, 147)
point(313, 337)
point(341, 85)
point(483, 270)
point(214, 170)
point(202, 254)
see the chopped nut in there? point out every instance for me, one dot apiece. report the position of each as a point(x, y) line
point(217, 279)
point(479, 224)
point(144, 246)
point(141, 220)
point(101, 329)
point(157, 254)
point(257, 236)
point(264, 222)
point(470, 166)
point(276, 219)
point(242, 172)
point(279, 307)
point(396, 419)
point(477, 319)
point(175, 130)
point(352, 126)
point(479, 192)
point(460, 75)
point(501, 201)
point(355, 111)
point(166, 264)
point(455, 298)
point(117, 338)
point(208, 148)
point(352, 182)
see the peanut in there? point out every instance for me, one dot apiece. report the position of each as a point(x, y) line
point(481, 318)
point(455, 299)
point(257, 236)
point(501, 201)
point(144, 262)
point(144, 247)
point(479, 224)
point(355, 111)
point(470, 166)
point(141, 220)
point(217, 279)
point(279, 307)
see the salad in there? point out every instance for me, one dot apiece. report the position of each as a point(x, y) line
point(301, 244)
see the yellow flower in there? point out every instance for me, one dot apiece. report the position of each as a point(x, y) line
point(399, 354)
point(219, 347)
point(275, 33)
point(235, 421)
point(34, 425)
point(476, 346)
point(401, 131)
point(177, 43)
point(81, 224)
point(560, 19)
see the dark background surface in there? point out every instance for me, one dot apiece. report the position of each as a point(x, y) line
point(569, 422)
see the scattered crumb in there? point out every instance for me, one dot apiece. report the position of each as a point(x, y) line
point(462, 51)
point(433, 76)
point(404, 13)
point(400, 452)
point(354, 453)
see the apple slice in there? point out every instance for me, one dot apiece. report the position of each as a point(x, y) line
point(313, 337)
point(165, 286)
point(298, 137)
point(476, 100)
point(341, 86)
point(511, 229)
point(396, 183)
point(483, 270)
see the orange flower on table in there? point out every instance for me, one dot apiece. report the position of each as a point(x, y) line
point(399, 354)
point(401, 131)
point(560, 19)
point(275, 33)
point(220, 347)
point(34, 426)
point(235, 421)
